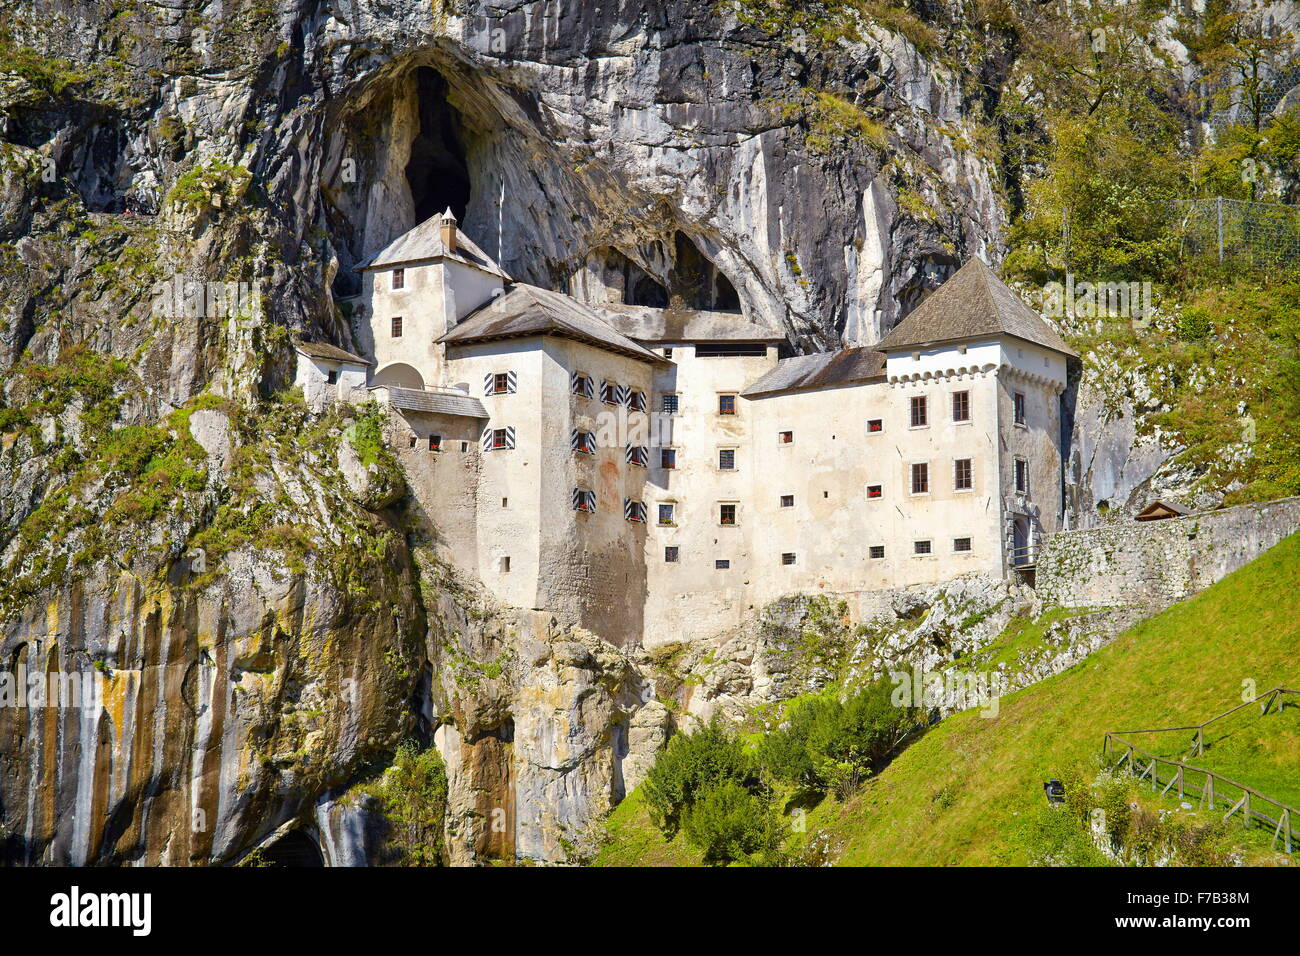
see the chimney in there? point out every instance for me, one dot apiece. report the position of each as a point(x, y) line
point(448, 231)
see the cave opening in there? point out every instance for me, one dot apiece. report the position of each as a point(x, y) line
point(294, 849)
point(437, 172)
point(646, 290)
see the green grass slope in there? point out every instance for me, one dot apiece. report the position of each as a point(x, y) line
point(955, 795)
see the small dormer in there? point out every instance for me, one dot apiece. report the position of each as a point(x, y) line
point(413, 292)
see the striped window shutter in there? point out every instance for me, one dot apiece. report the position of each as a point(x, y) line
point(575, 439)
point(487, 383)
point(487, 439)
point(510, 436)
point(623, 395)
point(512, 382)
point(588, 387)
point(575, 383)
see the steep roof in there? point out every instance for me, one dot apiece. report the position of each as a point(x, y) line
point(646, 324)
point(527, 310)
point(443, 402)
point(973, 303)
point(424, 244)
point(1161, 508)
point(330, 353)
point(819, 370)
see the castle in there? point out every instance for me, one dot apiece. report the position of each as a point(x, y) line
point(655, 475)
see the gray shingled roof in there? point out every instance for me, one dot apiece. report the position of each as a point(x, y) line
point(419, 400)
point(646, 324)
point(424, 244)
point(528, 310)
point(973, 303)
point(331, 353)
point(819, 370)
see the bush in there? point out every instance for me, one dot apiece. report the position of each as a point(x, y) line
point(690, 764)
point(729, 824)
point(412, 797)
point(830, 743)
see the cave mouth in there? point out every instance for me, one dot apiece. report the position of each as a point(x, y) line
point(437, 172)
point(294, 849)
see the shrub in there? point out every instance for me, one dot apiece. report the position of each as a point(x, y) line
point(412, 797)
point(690, 764)
point(729, 824)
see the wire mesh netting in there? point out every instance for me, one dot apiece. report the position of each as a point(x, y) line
point(1238, 233)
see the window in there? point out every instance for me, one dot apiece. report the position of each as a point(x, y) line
point(332, 377)
point(726, 404)
point(785, 438)
point(435, 443)
point(495, 439)
point(638, 455)
point(396, 329)
point(505, 564)
point(875, 491)
point(637, 402)
point(920, 411)
point(961, 406)
point(721, 564)
point(667, 457)
point(787, 501)
point(582, 385)
point(962, 477)
point(412, 441)
point(669, 404)
point(876, 552)
point(505, 502)
point(731, 350)
point(726, 459)
point(500, 383)
point(668, 352)
point(1022, 476)
point(582, 442)
point(920, 547)
point(1018, 403)
point(609, 393)
point(666, 513)
point(727, 514)
point(920, 478)
point(634, 510)
point(961, 544)
point(584, 500)
point(671, 554)
point(399, 279)
point(875, 425)
point(787, 558)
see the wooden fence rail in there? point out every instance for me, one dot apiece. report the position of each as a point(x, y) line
point(1251, 803)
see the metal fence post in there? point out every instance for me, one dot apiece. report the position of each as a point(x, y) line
point(1219, 206)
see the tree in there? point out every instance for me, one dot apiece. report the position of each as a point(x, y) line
point(690, 764)
point(729, 824)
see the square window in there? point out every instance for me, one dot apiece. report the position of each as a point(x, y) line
point(787, 501)
point(412, 442)
point(666, 512)
point(333, 377)
point(721, 564)
point(877, 551)
point(727, 514)
point(584, 500)
point(396, 327)
point(727, 459)
point(726, 404)
point(580, 384)
point(500, 383)
point(668, 352)
point(638, 455)
point(609, 393)
point(961, 406)
point(787, 558)
point(961, 544)
point(499, 438)
point(668, 458)
point(669, 404)
point(1018, 403)
point(786, 438)
point(634, 510)
point(671, 554)
point(963, 478)
point(1022, 476)
point(584, 442)
point(875, 491)
point(399, 279)
point(435, 443)
point(505, 564)
point(637, 403)
point(920, 478)
point(920, 411)
point(875, 425)
point(920, 547)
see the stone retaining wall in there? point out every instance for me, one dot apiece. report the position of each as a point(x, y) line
point(1156, 563)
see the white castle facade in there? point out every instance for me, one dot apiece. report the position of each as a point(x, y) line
point(655, 475)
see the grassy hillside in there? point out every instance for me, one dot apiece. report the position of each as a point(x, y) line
point(955, 796)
